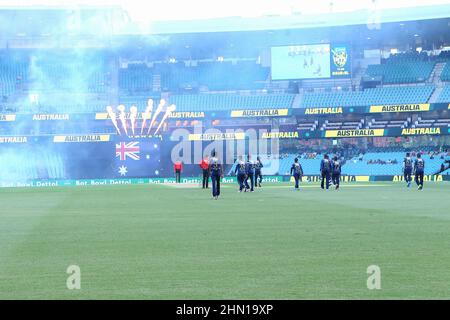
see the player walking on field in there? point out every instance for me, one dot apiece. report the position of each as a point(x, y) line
point(240, 173)
point(336, 172)
point(258, 173)
point(215, 168)
point(407, 169)
point(419, 171)
point(296, 172)
point(325, 172)
point(250, 174)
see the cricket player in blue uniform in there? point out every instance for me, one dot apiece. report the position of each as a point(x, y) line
point(258, 173)
point(419, 171)
point(297, 172)
point(407, 169)
point(325, 172)
point(250, 174)
point(216, 174)
point(336, 172)
point(239, 170)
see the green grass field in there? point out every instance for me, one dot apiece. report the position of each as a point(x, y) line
point(163, 242)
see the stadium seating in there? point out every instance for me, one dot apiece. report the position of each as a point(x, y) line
point(342, 125)
point(13, 72)
point(226, 76)
point(445, 95)
point(216, 76)
point(307, 125)
point(385, 163)
point(445, 75)
point(68, 72)
point(407, 72)
point(137, 78)
point(382, 124)
point(139, 101)
point(31, 164)
point(84, 72)
point(375, 96)
point(404, 57)
point(427, 123)
point(408, 67)
point(372, 163)
point(211, 102)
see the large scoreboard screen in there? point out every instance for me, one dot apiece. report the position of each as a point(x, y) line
point(312, 61)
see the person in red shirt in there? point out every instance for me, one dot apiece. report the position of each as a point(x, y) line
point(178, 168)
point(204, 165)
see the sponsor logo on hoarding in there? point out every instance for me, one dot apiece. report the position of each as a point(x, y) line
point(128, 116)
point(7, 117)
point(280, 135)
point(51, 117)
point(82, 138)
point(313, 111)
point(343, 178)
point(216, 136)
point(437, 178)
point(354, 133)
point(185, 115)
point(401, 108)
point(420, 131)
point(260, 113)
point(13, 139)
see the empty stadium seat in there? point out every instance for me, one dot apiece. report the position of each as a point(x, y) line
point(375, 96)
point(445, 75)
point(211, 102)
point(445, 95)
point(409, 67)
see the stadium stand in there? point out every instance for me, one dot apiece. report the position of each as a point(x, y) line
point(382, 124)
point(92, 73)
point(139, 101)
point(445, 95)
point(427, 123)
point(227, 76)
point(136, 78)
point(371, 163)
point(307, 125)
point(69, 72)
point(374, 96)
point(408, 67)
point(445, 75)
point(386, 163)
point(406, 72)
point(216, 76)
point(205, 102)
point(342, 125)
point(13, 73)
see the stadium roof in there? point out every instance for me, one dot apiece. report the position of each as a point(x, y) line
point(177, 16)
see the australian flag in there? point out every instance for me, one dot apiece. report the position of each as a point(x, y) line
point(137, 158)
point(130, 149)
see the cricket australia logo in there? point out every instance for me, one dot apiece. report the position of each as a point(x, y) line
point(340, 57)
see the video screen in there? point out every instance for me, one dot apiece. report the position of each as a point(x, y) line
point(301, 62)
